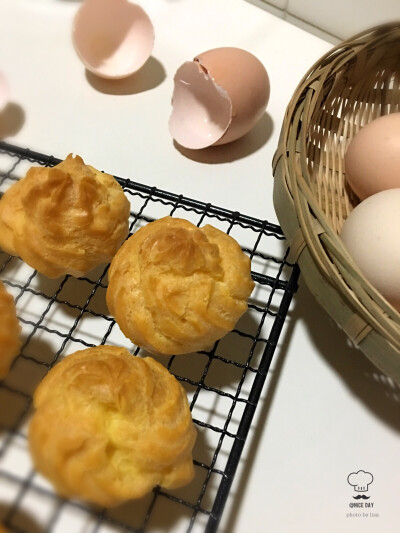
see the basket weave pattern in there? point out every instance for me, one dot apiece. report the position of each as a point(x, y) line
point(354, 83)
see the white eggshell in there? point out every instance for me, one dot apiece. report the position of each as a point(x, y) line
point(371, 234)
point(113, 38)
point(218, 97)
point(372, 159)
point(4, 92)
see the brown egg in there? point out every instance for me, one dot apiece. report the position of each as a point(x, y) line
point(218, 97)
point(372, 159)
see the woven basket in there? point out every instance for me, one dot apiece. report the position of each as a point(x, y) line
point(354, 83)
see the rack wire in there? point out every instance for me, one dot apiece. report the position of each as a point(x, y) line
point(223, 384)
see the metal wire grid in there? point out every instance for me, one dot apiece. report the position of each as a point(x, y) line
point(223, 385)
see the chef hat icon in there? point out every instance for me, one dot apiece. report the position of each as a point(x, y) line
point(360, 480)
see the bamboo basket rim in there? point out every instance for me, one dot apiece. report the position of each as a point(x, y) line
point(370, 311)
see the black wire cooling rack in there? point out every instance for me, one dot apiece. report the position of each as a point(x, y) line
point(223, 385)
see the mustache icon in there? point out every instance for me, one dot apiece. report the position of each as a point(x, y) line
point(361, 496)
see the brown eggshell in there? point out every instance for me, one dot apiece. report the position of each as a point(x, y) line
point(218, 97)
point(246, 81)
point(113, 38)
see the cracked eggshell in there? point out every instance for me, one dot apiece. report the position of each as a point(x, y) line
point(4, 92)
point(113, 38)
point(218, 97)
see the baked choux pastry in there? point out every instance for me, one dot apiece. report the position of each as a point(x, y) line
point(110, 426)
point(10, 330)
point(175, 288)
point(64, 220)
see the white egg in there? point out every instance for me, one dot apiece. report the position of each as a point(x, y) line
point(371, 234)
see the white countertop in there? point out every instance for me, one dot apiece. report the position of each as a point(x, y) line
point(323, 414)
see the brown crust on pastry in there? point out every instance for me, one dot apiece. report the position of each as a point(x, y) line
point(110, 426)
point(64, 220)
point(175, 288)
point(10, 330)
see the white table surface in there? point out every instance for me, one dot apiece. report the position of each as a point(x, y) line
point(324, 412)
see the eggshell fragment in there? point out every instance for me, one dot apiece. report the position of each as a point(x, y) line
point(218, 97)
point(372, 159)
point(371, 234)
point(113, 38)
point(4, 92)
